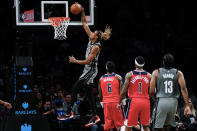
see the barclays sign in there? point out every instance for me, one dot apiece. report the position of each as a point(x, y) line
point(25, 105)
point(25, 90)
point(26, 112)
point(24, 72)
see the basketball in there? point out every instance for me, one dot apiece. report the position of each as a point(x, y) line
point(75, 8)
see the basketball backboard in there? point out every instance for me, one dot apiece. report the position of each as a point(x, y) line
point(37, 12)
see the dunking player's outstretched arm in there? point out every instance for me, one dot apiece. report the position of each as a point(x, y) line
point(153, 84)
point(6, 104)
point(124, 89)
point(84, 22)
point(181, 81)
point(95, 50)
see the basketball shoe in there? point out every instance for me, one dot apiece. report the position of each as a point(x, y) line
point(93, 121)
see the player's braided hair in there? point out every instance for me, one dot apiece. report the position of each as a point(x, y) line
point(104, 35)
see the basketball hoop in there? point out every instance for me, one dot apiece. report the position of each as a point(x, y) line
point(60, 25)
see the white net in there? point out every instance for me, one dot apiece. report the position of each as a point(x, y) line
point(60, 27)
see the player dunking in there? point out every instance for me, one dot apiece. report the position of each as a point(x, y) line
point(137, 85)
point(166, 81)
point(90, 62)
point(109, 87)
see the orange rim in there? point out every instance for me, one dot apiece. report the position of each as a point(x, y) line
point(55, 21)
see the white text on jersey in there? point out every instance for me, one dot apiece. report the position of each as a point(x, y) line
point(139, 77)
point(108, 79)
point(168, 76)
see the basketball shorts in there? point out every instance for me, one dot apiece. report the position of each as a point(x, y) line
point(138, 108)
point(113, 117)
point(165, 110)
point(88, 75)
